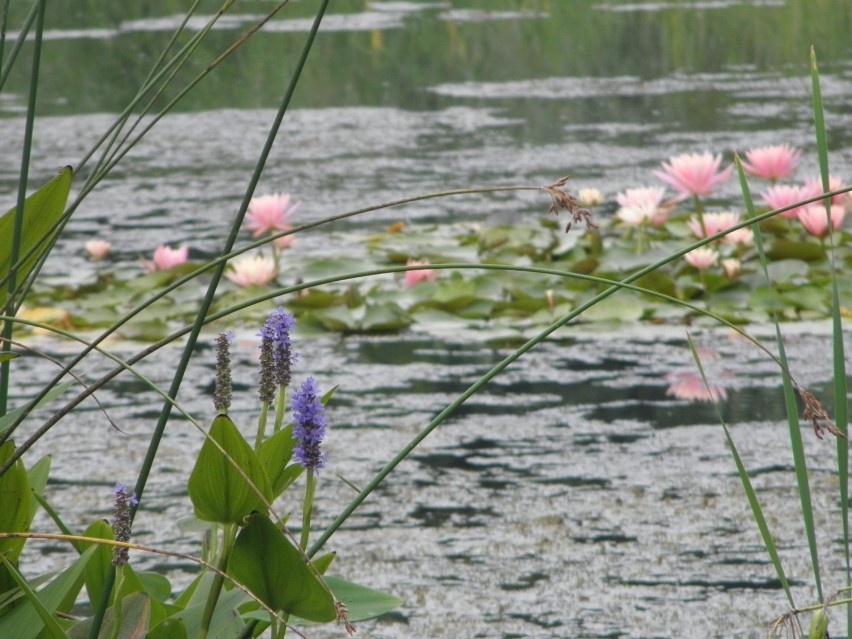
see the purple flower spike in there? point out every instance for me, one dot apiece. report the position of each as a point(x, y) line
point(276, 356)
point(309, 425)
point(122, 522)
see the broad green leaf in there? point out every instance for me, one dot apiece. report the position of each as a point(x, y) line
point(275, 453)
point(24, 622)
point(42, 210)
point(38, 475)
point(15, 511)
point(265, 561)
point(219, 485)
point(384, 317)
point(362, 602)
point(5, 357)
point(169, 629)
point(100, 565)
point(226, 622)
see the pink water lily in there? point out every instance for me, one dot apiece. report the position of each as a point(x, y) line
point(815, 221)
point(813, 186)
point(641, 206)
point(694, 174)
point(98, 249)
point(420, 275)
point(772, 162)
point(257, 270)
point(285, 241)
point(702, 258)
point(781, 195)
point(718, 222)
point(166, 258)
point(270, 213)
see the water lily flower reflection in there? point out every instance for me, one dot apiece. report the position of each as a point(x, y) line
point(270, 213)
point(98, 249)
point(694, 174)
point(641, 206)
point(166, 258)
point(258, 270)
point(772, 162)
point(691, 387)
point(420, 275)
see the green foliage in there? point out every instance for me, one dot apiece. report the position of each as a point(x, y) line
point(15, 515)
point(271, 567)
point(228, 482)
point(42, 213)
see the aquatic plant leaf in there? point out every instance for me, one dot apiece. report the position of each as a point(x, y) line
point(782, 249)
point(24, 622)
point(274, 454)
point(16, 512)
point(5, 357)
point(169, 629)
point(226, 490)
point(384, 317)
point(265, 561)
point(50, 624)
point(135, 620)
point(226, 622)
point(362, 602)
point(98, 568)
point(38, 475)
point(42, 210)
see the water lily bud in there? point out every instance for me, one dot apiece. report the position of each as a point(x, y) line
point(589, 197)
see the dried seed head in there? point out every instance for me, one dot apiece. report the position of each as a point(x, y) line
point(566, 201)
point(343, 618)
point(818, 416)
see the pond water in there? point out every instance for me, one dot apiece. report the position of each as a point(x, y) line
point(573, 497)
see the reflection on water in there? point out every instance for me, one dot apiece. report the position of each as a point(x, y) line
point(573, 496)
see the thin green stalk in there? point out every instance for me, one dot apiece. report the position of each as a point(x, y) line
point(22, 194)
point(6, 67)
point(751, 495)
point(229, 535)
point(307, 507)
point(840, 390)
point(4, 19)
point(280, 408)
point(261, 425)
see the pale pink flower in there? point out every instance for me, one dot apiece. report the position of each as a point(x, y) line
point(813, 186)
point(641, 206)
point(285, 241)
point(421, 275)
point(772, 162)
point(270, 213)
point(702, 258)
point(732, 267)
point(781, 195)
point(694, 173)
point(713, 223)
point(589, 197)
point(98, 249)
point(166, 258)
point(691, 387)
point(815, 221)
point(252, 270)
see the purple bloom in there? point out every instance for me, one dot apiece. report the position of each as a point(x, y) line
point(276, 356)
point(122, 522)
point(309, 425)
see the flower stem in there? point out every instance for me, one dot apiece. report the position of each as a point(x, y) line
point(229, 534)
point(307, 507)
point(280, 405)
point(261, 425)
point(119, 584)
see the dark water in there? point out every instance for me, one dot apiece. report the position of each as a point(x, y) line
point(572, 497)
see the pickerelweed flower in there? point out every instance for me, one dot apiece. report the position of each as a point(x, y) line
point(694, 174)
point(270, 213)
point(276, 355)
point(815, 221)
point(780, 195)
point(813, 186)
point(309, 425)
point(772, 162)
point(121, 523)
point(421, 275)
point(702, 258)
point(166, 258)
point(98, 249)
point(641, 206)
point(257, 270)
point(222, 388)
